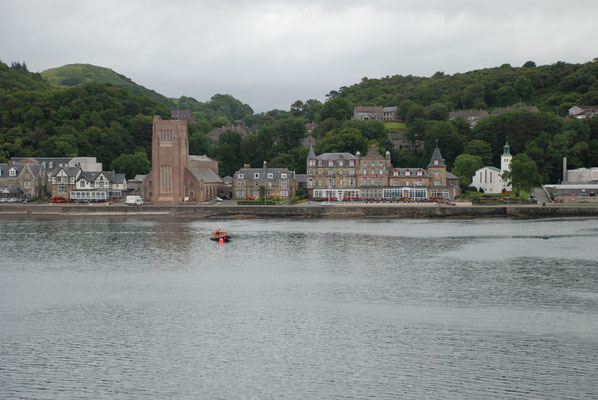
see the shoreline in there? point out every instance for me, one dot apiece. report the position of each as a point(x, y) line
point(340, 211)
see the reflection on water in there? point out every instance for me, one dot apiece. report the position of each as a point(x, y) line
point(105, 308)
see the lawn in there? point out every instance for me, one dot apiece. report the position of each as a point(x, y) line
point(395, 126)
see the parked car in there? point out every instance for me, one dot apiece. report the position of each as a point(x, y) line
point(216, 198)
point(57, 199)
point(327, 203)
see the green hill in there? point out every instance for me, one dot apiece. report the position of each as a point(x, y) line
point(17, 77)
point(78, 74)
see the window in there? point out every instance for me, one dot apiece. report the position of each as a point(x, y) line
point(340, 163)
point(351, 163)
point(436, 183)
point(330, 182)
point(420, 172)
point(283, 176)
point(256, 175)
point(435, 162)
point(407, 173)
point(283, 183)
point(240, 176)
point(330, 172)
point(395, 182)
point(319, 172)
point(407, 182)
point(319, 163)
point(191, 194)
point(436, 173)
point(395, 173)
point(330, 163)
point(12, 172)
point(270, 184)
point(284, 193)
point(310, 172)
point(150, 193)
point(270, 175)
point(418, 182)
point(311, 182)
point(191, 182)
point(150, 184)
point(240, 193)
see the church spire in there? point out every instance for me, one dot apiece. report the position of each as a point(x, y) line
point(506, 149)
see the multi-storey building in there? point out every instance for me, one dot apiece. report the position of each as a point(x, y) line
point(373, 177)
point(250, 183)
point(99, 186)
point(63, 181)
point(332, 175)
point(372, 173)
point(382, 114)
point(22, 181)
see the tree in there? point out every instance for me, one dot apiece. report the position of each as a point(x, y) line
point(524, 172)
point(523, 88)
point(132, 164)
point(481, 149)
point(338, 108)
point(465, 167)
point(343, 140)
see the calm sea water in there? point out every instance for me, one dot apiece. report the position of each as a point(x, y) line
point(111, 308)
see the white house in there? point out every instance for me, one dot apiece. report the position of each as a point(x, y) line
point(490, 178)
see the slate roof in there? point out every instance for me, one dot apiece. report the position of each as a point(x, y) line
point(274, 171)
point(70, 171)
point(468, 114)
point(311, 153)
point(5, 168)
point(207, 175)
point(336, 156)
point(413, 171)
point(451, 176)
point(437, 156)
point(301, 178)
point(200, 158)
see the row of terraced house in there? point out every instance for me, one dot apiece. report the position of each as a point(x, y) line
point(344, 176)
point(72, 178)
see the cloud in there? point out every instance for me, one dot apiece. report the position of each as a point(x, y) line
point(270, 53)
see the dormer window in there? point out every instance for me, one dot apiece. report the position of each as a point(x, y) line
point(12, 172)
point(319, 163)
point(435, 162)
point(283, 176)
point(270, 175)
point(351, 163)
point(407, 173)
point(331, 163)
point(395, 173)
point(50, 164)
point(420, 173)
point(256, 175)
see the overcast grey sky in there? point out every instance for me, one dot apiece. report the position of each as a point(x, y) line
point(270, 53)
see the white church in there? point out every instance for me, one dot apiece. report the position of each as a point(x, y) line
point(490, 178)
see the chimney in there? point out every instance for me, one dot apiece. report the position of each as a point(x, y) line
point(265, 167)
point(564, 169)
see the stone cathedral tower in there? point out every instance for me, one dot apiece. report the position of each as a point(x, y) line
point(170, 151)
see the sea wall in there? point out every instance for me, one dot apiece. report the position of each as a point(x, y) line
point(298, 211)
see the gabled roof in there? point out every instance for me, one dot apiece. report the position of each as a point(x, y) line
point(5, 168)
point(373, 152)
point(139, 178)
point(468, 114)
point(119, 179)
point(207, 175)
point(451, 176)
point(70, 171)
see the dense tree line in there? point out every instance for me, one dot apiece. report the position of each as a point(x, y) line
point(115, 125)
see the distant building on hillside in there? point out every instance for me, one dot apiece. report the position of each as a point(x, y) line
point(382, 114)
point(401, 143)
point(472, 116)
point(308, 141)
point(183, 115)
point(583, 112)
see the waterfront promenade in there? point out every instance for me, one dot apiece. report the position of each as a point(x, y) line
point(305, 210)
